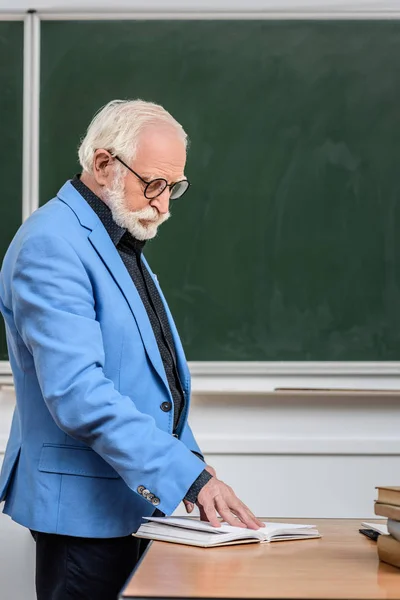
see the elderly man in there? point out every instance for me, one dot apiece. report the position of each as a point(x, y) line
point(100, 436)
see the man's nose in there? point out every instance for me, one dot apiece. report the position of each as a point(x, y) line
point(161, 203)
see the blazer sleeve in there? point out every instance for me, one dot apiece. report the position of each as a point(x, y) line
point(189, 440)
point(53, 307)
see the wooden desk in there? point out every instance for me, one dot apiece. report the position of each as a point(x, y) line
point(342, 564)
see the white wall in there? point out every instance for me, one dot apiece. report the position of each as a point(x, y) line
point(16, 544)
point(294, 454)
point(286, 455)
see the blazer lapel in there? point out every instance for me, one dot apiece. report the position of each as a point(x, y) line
point(184, 373)
point(108, 253)
point(102, 243)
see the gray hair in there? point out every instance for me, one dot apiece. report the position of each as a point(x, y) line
point(117, 127)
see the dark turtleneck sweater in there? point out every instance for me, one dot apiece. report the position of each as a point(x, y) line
point(130, 251)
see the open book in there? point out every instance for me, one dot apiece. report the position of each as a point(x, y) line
point(183, 530)
point(379, 527)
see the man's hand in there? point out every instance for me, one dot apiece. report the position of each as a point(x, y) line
point(218, 498)
point(189, 505)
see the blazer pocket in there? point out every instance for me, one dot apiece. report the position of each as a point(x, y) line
point(74, 460)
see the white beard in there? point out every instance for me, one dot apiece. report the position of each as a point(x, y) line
point(130, 220)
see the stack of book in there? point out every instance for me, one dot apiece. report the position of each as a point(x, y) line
point(388, 505)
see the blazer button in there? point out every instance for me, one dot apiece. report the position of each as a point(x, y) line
point(150, 497)
point(140, 489)
point(145, 493)
point(166, 406)
point(155, 501)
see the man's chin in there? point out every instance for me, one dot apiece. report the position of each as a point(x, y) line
point(143, 233)
point(144, 229)
point(139, 226)
point(146, 224)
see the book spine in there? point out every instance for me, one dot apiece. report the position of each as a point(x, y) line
point(389, 550)
point(387, 496)
point(394, 529)
point(387, 510)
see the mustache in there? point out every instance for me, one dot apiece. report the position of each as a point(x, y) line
point(150, 214)
point(131, 220)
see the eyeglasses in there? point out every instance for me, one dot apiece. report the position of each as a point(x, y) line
point(155, 187)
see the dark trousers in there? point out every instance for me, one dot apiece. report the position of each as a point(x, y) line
point(83, 568)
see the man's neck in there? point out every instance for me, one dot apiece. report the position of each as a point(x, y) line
point(92, 184)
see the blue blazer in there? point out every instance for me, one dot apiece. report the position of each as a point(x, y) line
point(88, 434)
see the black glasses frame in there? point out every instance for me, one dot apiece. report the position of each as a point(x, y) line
point(148, 183)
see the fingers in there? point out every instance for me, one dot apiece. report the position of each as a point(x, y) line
point(246, 516)
point(203, 516)
point(238, 515)
point(252, 516)
point(217, 496)
point(189, 506)
point(227, 514)
point(211, 515)
point(238, 508)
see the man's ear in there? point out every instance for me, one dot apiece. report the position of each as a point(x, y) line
point(102, 167)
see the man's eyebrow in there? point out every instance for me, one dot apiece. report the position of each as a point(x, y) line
point(150, 176)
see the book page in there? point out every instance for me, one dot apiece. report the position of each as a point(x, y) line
point(198, 525)
point(380, 528)
point(162, 531)
point(186, 523)
point(294, 530)
point(265, 533)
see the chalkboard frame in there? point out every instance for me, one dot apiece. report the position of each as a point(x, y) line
point(224, 372)
point(5, 371)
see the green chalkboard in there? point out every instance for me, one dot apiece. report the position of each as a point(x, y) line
point(287, 246)
point(11, 78)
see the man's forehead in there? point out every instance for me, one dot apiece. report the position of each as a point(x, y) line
point(162, 145)
point(161, 153)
